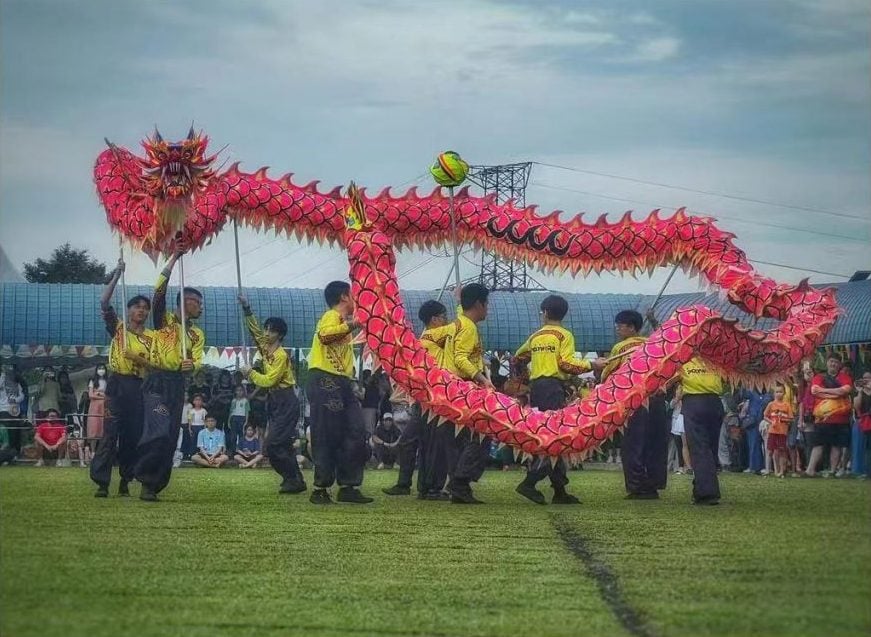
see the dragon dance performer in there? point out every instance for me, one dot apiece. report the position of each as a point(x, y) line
point(644, 449)
point(163, 390)
point(467, 457)
point(426, 442)
point(703, 414)
point(128, 366)
point(282, 404)
point(338, 430)
point(551, 355)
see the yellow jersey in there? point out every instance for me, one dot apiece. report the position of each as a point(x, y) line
point(697, 378)
point(138, 345)
point(551, 352)
point(277, 370)
point(465, 355)
point(332, 351)
point(166, 341)
point(619, 348)
point(436, 340)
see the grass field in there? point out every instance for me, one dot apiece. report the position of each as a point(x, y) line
point(223, 554)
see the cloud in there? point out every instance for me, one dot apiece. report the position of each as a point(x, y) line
point(771, 102)
point(32, 154)
point(655, 50)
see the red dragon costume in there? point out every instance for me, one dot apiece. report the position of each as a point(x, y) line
point(147, 198)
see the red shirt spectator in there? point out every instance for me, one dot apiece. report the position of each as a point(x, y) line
point(51, 431)
point(829, 407)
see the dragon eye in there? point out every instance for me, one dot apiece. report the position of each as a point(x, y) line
point(161, 155)
point(187, 154)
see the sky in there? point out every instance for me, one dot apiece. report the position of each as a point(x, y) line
point(766, 101)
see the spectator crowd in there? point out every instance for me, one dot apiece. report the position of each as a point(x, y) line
point(803, 426)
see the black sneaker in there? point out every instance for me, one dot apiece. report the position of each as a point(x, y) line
point(464, 497)
point(124, 489)
point(320, 496)
point(292, 487)
point(102, 492)
point(397, 490)
point(647, 495)
point(708, 500)
point(564, 498)
point(436, 496)
point(147, 495)
point(353, 496)
point(530, 493)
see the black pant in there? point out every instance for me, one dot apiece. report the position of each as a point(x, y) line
point(411, 450)
point(162, 402)
point(235, 433)
point(122, 430)
point(386, 455)
point(702, 418)
point(437, 453)
point(282, 406)
point(338, 431)
point(422, 445)
point(468, 457)
point(12, 423)
point(866, 449)
point(644, 451)
point(547, 394)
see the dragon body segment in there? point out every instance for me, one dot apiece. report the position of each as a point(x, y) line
point(143, 196)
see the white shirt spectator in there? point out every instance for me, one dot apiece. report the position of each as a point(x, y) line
point(198, 417)
point(239, 407)
point(11, 395)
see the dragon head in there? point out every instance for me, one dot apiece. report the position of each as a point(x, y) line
point(175, 171)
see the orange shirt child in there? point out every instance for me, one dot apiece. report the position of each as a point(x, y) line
point(780, 414)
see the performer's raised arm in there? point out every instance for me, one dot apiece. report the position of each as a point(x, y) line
point(110, 317)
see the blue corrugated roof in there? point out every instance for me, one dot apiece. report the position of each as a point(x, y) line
point(67, 315)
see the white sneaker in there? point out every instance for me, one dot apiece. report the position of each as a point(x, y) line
point(747, 471)
point(764, 472)
point(39, 463)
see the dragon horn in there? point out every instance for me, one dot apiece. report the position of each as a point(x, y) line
point(191, 133)
point(157, 135)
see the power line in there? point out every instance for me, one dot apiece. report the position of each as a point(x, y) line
point(792, 267)
point(425, 262)
point(718, 215)
point(274, 261)
point(315, 266)
point(224, 262)
point(844, 215)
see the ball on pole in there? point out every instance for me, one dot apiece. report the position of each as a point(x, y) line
point(449, 169)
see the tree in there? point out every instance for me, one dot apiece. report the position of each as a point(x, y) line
point(66, 265)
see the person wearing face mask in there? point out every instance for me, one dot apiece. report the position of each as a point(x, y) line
point(128, 362)
point(175, 350)
point(97, 407)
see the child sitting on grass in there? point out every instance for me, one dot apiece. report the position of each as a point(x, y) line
point(210, 446)
point(248, 454)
